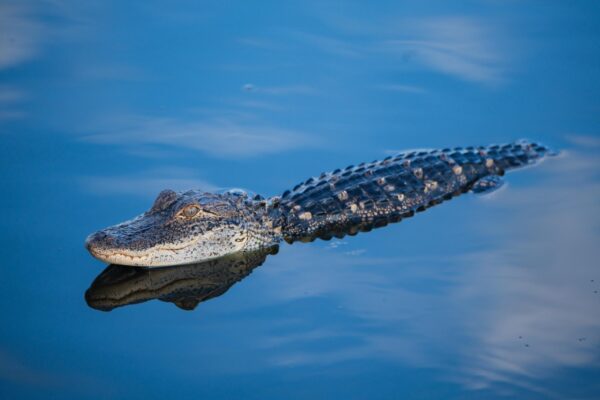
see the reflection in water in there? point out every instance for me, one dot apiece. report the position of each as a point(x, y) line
point(183, 285)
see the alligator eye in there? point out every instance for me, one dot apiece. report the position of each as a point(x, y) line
point(190, 211)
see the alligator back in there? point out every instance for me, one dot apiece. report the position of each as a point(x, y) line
point(371, 195)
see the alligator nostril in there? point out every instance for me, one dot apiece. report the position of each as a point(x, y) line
point(97, 239)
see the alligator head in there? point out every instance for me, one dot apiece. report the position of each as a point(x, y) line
point(180, 228)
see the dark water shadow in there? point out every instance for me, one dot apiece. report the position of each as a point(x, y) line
point(183, 285)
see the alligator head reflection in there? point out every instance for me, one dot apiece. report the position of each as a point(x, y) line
point(186, 285)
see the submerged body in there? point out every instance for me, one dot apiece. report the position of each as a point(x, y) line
point(183, 228)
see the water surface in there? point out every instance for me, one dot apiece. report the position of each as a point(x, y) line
point(103, 105)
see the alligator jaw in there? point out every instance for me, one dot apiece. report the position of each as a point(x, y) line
point(104, 246)
point(121, 257)
point(157, 256)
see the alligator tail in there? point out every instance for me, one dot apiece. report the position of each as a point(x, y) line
point(371, 195)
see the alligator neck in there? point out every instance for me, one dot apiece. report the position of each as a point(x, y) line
point(265, 220)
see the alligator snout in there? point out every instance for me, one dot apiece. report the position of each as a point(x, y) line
point(97, 240)
point(133, 242)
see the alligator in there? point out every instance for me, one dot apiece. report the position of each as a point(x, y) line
point(192, 226)
point(185, 286)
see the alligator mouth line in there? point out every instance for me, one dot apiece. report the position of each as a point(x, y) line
point(127, 254)
point(110, 255)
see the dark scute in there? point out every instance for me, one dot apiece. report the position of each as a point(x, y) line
point(326, 236)
point(366, 227)
point(380, 222)
point(164, 200)
point(395, 218)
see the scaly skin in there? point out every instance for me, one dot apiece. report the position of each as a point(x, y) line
point(371, 195)
point(194, 226)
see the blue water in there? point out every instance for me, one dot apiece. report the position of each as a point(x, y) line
point(103, 104)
